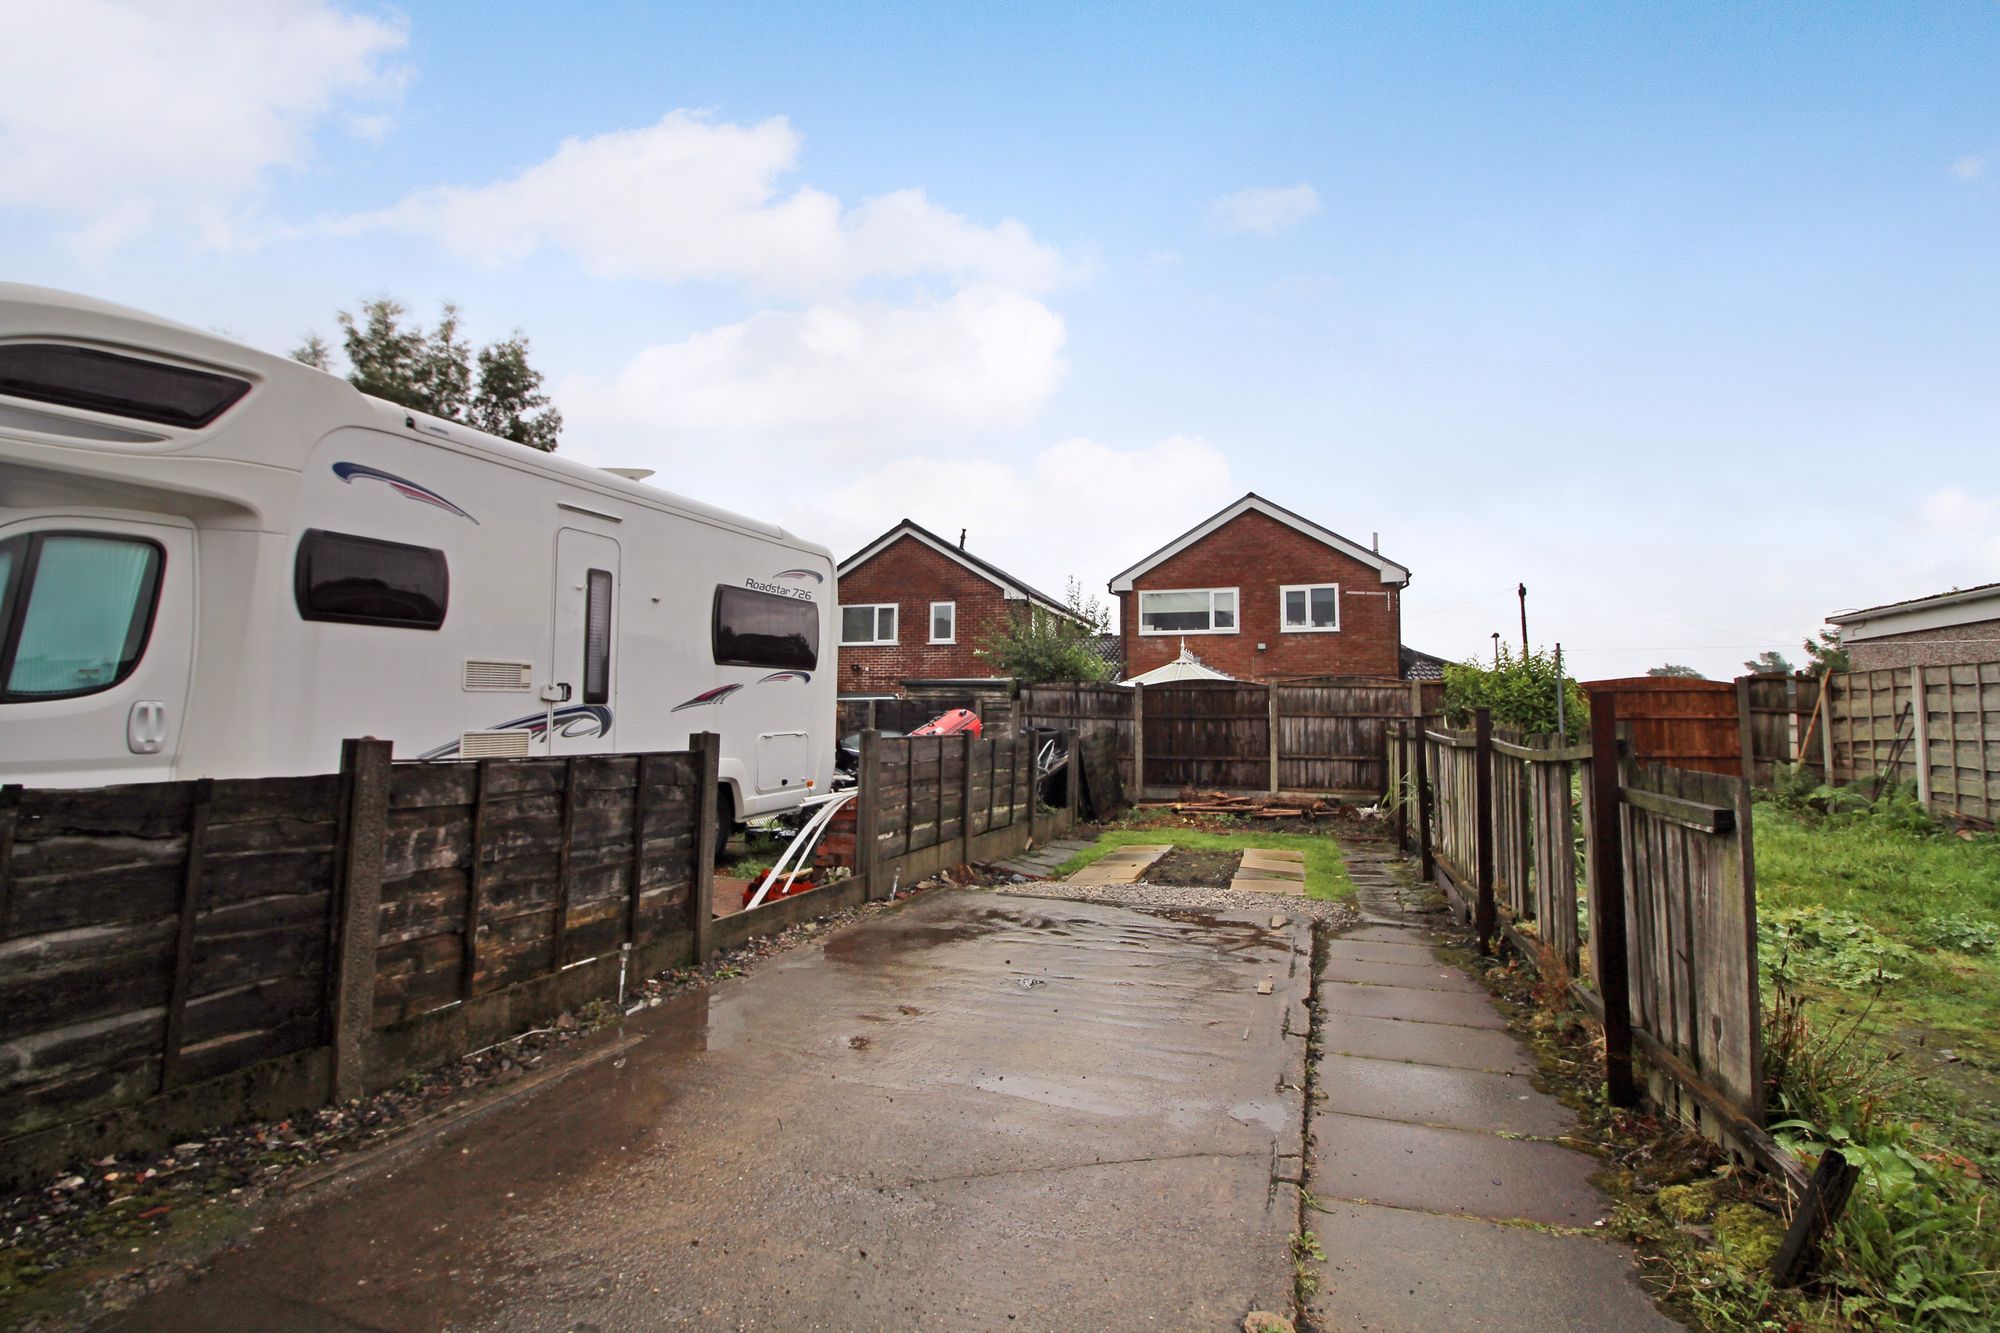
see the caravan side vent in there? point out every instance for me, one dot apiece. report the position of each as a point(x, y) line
point(494, 745)
point(499, 675)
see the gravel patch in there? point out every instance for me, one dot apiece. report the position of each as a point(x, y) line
point(1199, 897)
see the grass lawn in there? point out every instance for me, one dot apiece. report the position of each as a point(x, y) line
point(1851, 902)
point(1326, 874)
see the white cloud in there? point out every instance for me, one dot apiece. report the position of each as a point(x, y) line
point(979, 359)
point(691, 198)
point(123, 116)
point(1074, 508)
point(1265, 211)
point(1971, 167)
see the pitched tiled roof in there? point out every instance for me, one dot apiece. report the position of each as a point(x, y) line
point(987, 570)
point(1110, 649)
point(1421, 666)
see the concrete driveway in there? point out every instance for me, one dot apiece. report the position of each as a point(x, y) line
point(976, 1111)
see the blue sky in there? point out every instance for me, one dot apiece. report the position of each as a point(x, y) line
point(1683, 314)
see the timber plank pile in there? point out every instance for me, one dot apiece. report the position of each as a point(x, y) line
point(1247, 807)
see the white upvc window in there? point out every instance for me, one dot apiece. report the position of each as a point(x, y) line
point(944, 622)
point(1309, 608)
point(862, 626)
point(1188, 611)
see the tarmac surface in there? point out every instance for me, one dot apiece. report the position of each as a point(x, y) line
point(977, 1111)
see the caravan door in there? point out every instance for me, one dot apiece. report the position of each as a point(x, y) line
point(96, 638)
point(583, 655)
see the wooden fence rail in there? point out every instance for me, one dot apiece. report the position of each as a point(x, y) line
point(183, 954)
point(1320, 736)
point(1675, 945)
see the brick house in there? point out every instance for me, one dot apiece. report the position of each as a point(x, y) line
point(1947, 629)
point(1260, 593)
point(915, 607)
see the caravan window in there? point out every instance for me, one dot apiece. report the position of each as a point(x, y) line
point(75, 611)
point(362, 581)
point(760, 629)
point(122, 386)
point(597, 638)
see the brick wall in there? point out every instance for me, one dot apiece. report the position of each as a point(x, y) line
point(1951, 645)
point(1257, 555)
point(913, 575)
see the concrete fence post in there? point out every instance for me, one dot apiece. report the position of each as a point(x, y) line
point(1271, 702)
point(868, 811)
point(1073, 777)
point(1920, 718)
point(1139, 742)
point(364, 822)
point(705, 747)
point(964, 797)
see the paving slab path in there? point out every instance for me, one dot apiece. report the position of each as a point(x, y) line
point(975, 1111)
point(1444, 1194)
point(1040, 862)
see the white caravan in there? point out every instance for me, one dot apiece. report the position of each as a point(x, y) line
point(218, 563)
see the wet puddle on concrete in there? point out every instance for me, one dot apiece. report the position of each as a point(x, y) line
point(972, 1107)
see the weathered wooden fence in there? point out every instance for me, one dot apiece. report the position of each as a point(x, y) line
point(1086, 708)
point(1938, 727)
point(942, 799)
point(185, 954)
point(1935, 727)
point(1678, 721)
point(1664, 942)
point(180, 953)
point(1323, 736)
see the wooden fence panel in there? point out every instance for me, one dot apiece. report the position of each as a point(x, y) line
point(1334, 736)
point(1513, 834)
point(157, 934)
point(1206, 734)
point(1554, 814)
point(1963, 719)
point(1454, 832)
point(499, 871)
point(1873, 726)
point(1689, 898)
point(1084, 708)
point(1691, 929)
point(1680, 722)
point(1781, 711)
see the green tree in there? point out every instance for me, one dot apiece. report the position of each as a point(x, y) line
point(1771, 662)
point(433, 371)
point(510, 402)
point(1676, 671)
point(1827, 655)
point(1035, 646)
point(313, 352)
point(1521, 691)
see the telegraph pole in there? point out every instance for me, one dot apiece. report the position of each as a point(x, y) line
point(1523, 591)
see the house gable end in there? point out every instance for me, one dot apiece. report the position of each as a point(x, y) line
point(1388, 571)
